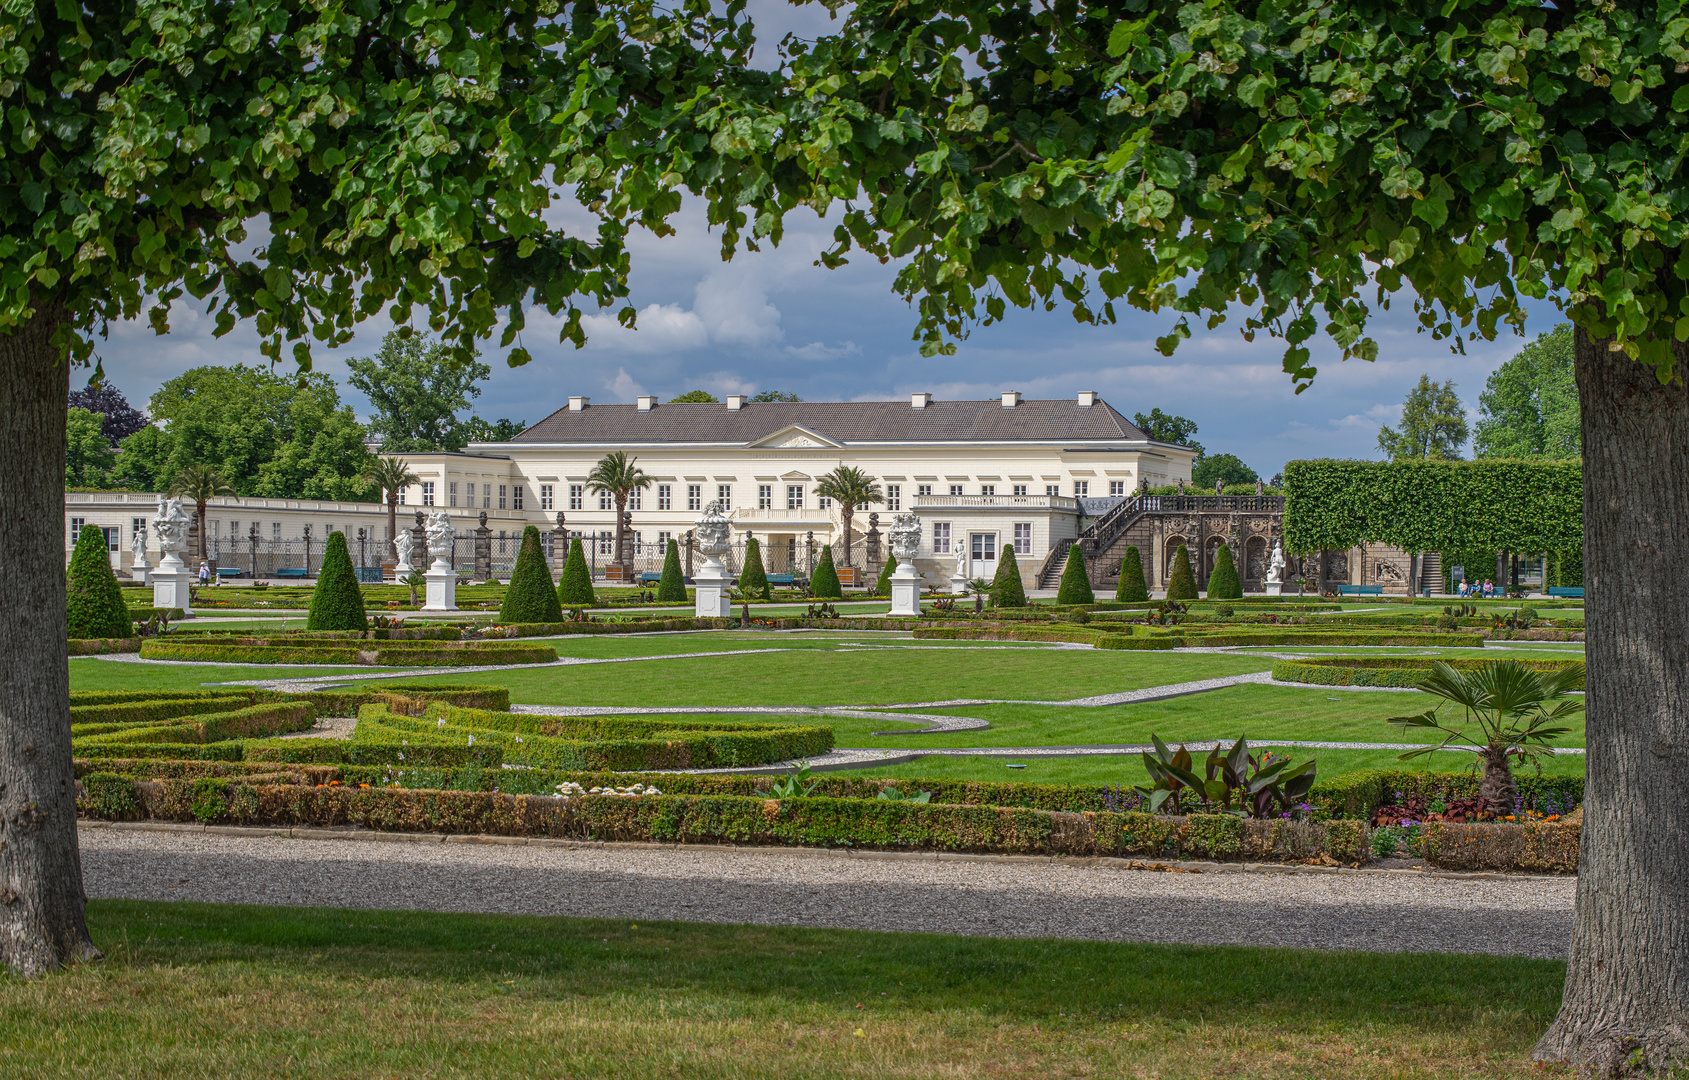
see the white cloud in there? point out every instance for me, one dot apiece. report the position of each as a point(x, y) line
point(818, 351)
point(660, 328)
point(624, 386)
point(736, 311)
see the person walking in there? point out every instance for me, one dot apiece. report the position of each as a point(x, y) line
point(204, 572)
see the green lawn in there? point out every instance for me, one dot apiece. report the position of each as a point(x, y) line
point(92, 673)
point(191, 990)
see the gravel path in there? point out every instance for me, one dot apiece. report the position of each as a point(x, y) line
point(1104, 900)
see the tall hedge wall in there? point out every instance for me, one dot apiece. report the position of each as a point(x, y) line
point(1523, 506)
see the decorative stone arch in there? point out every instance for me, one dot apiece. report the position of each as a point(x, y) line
point(1171, 548)
point(1255, 556)
point(1211, 549)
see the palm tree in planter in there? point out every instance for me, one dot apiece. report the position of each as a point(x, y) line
point(200, 483)
point(391, 476)
point(620, 476)
point(850, 487)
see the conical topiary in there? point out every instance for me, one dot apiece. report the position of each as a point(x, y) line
point(1007, 589)
point(882, 587)
point(1075, 583)
point(825, 582)
point(753, 579)
point(1223, 583)
point(1132, 587)
point(336, 603)
point(1181, 582)
point(575, 587)
point(672, 588)
point(94, 598)
point(530, 597)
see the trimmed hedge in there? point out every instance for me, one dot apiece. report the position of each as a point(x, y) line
point(1131, 588)
point(1384, 670)
point(255, 721)
point(378, 654)
point(95, 607)
point(753, 578)
point(825, 581)
point(1075, 582)
point(164, 705)
point(1540, 847)
point(574, 587)
point(1181, 580)
point(530, 597)
point(1223, 583)
point(99, 646)
point(1007, 590)
point(672, 588)
point(1357, 794)
point(336, 603)
point(882, 587)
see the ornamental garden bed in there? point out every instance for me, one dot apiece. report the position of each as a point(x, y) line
point(1384, 670)
point(316, 649)
point(1105, 635)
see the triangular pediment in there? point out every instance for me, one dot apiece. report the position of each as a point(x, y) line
point(794, 437)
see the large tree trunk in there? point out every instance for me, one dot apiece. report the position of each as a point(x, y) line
point(1626, 1002)
point(41, 899)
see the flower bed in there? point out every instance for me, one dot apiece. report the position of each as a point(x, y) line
point(326, 651)
point(1357, 795)
point(1384, 670)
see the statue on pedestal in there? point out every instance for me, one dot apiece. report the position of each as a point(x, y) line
point(440, 537)
point(714, 538)
point(138, 547)
point(905, 534)
point(1275, 565)
point(405, 543)
point(170, 525)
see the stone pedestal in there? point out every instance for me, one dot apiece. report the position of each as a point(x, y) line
point(958, 583)
point(905, 590)
point(1275, 588)
point(711, 582)
point(442, 590)
point(171, 582)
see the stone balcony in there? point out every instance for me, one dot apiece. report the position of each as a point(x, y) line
point(1056, 503)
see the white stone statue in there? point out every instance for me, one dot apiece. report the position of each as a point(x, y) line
point(170, 525)
point(1275, 566)
point(138, 547)
point(962, 564)
point(405, 543)
point(714, 532)
point(440, 536)
point(905, 538)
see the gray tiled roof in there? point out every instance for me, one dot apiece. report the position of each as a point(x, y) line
point(842, 421)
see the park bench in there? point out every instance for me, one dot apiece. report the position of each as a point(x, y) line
point(650, 577)
point(1570, 592)
point(782, 580)
point(230, 571)
point(1360, 590)
point(370, 575)
point(290, 571)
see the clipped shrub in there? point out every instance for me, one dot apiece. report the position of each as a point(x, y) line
point(753, 579)
point(95, 600)
point(825, 581)
point(672, 588)
point(574, 589)
point(882, 587)
point(530, 597)
point(1181, 582)
point(1132, 587)
point(1075, 582)
point(1006, 588)
point(336, 603)
point(1223, 583)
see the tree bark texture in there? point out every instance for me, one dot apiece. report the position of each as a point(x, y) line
point(1626, 1004)
point(41, 898)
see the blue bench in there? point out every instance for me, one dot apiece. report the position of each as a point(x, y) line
point(1360, 590)
point(370, 575)
point(230, 571)
point(1571, 592)
point(650, 577)
point(290, 571)
point(781, 579)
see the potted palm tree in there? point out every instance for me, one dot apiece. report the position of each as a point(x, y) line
point(620, 476)
point(850, 487)
point(391, 476)
point(200, 483)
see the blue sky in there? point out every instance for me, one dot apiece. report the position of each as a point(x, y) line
point(775, 320)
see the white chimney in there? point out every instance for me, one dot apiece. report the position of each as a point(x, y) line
point(577, 404)
point(1011, 398)
point(735, 402)
point(1087, 398)
point(919, 401)
point(647, 402)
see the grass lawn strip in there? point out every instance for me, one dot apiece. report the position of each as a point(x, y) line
point(354, 994)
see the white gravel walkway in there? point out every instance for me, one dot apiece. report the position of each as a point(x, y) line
point(1103, 900)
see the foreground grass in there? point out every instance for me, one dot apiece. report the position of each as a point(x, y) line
point(193, 990)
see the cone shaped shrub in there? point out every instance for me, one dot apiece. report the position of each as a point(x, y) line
point(1006, 588)
point(1223, 583)
point(672, 589)
point(1132, 585)
point(336, 603)
point(94, 597)
point(1075, 583)
point(825, 583)
point(530, 597)
point(753, 579)
point(1181, 582)
point(882, 587)
point(575, 587)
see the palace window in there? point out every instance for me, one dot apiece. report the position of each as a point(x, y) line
point(1020, 489)
point(665, 497)
point(76, 524)
point(545, 497)
point(606, 542)
point(606, 501)
point(1023, 538)
point(487, 496)
point(923, 489)
point(453, 493)
point(823, 503)
point(428, 493)
point(1052, 490)
point(794, 496)
point(894, 496)
point(501, 488)
point(941, 538)
point(516, 497)
point(988, 489)
point(636, 499)
point(765, 496)
point(1081, 489)
point(694, 496)
point(663, 542)
point(955, 489)
point(1117, 487)
point(577, 496)
point(724, 495)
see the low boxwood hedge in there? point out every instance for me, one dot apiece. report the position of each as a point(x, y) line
point(374, 653)
point(255, 721)
point(1383, 670)
point(1541, 847)
point(102, 646)
point(1357, 794)
point(163, 706)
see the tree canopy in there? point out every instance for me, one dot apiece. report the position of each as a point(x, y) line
point(1433, 425)
point(119, 419)
point(1529, 407)
point(1166, 428)
point(695, 397)
point(1221, 468)
point(417, 387)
